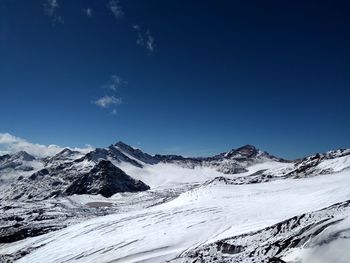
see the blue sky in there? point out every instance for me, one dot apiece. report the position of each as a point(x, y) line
point(179, 77)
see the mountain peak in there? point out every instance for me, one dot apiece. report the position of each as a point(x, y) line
point(135, 153)
point(244, 151)
point(247, 149)
point(24, 156)
point(123, 145)
point(67, 152)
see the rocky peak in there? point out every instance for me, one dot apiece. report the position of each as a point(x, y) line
point(127, 148)
point(66, 151)
point(23, 155)
point(96, 155)
point(4, 157)
point(135, 153)
point(64, 156)
point(247, 151)
point(105, 179)
point(123, 145)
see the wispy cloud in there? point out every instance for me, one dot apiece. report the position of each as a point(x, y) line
point(108, 101)
point(88, 11)
point(115, 83)
point(144, 39)
point(116, 8)
point(11, 144)
point(51, 7)
point(149, 41)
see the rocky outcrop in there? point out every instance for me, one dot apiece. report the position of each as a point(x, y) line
point(135, 153)
point(66, 155)
point(18, 161)
point(315, 164)
point(105, 179)
point(77, 177)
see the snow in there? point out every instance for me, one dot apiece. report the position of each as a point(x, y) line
point(337, 164)
point(169, 175)
point(129, 156)
point(186, 209)
point(199, 216)
point(8, 176)
point(165, 174)
point(332, 245)
point(273, 167)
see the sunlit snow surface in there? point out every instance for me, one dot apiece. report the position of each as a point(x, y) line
point(202, 214)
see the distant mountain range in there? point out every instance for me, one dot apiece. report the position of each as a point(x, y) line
point(41, 195)
point(72, 172)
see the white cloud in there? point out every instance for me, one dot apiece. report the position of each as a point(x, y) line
point(50, 7)
point(12, 144)
point(140, 41)
point(144, 39)
point(115, 82)
point(88, 11)
point(149, 41)
point(116, 9)
point(108, 101)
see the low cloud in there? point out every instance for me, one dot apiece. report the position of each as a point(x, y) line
point(108, 101)
point(116, 9)
point(11, 144)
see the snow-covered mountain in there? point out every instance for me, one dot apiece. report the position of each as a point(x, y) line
point(120, 204)
point(19, 161)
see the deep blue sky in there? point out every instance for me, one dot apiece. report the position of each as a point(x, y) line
point(221, 74)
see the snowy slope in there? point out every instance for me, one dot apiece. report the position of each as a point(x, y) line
point(17, 165)
point(197, 217)
point(211, 209)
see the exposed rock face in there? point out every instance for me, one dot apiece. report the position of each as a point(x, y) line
point(24, 156)
point(111, 153)
point(77, 177)
point(136, 153)
point(4, 157)
point(18, 161)
point(105, 179)
point(247, 151)
point(66, 155)
point(322, 163)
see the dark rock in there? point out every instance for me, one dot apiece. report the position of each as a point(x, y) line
point(276, 260)
point(40, 173)
point(228, 248)
point(105, 179)
point(18, 232)
point(136, 153)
